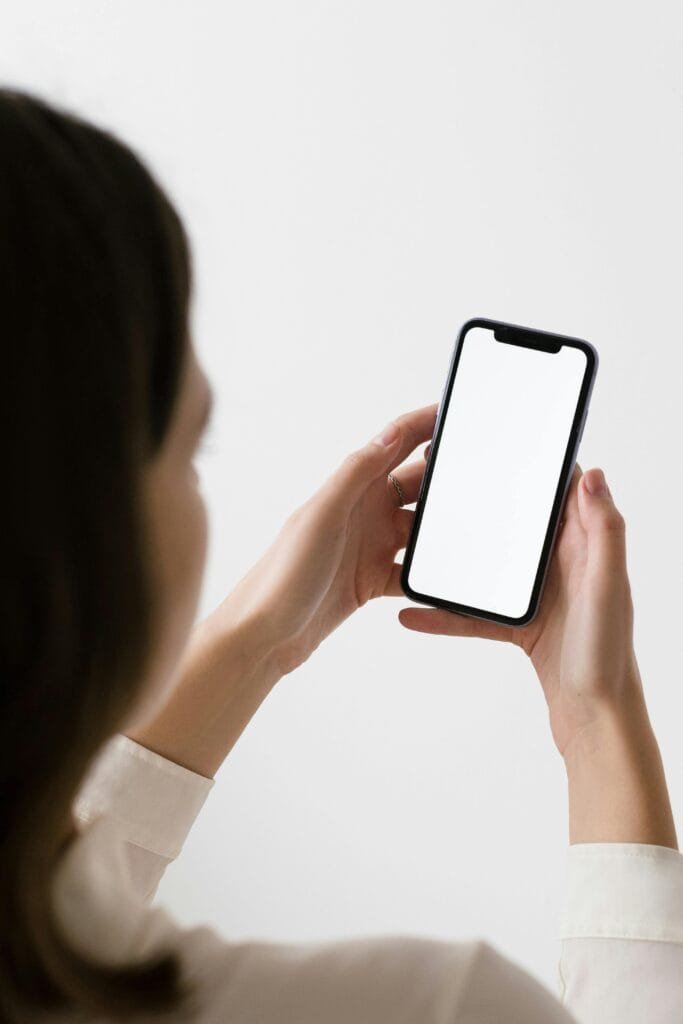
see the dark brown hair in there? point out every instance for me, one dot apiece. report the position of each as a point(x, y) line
point(95, 282)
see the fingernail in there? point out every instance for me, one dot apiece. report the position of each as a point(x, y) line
point(388, 435)
point(596, 484)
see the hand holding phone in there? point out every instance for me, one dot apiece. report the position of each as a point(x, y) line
point(581, 646)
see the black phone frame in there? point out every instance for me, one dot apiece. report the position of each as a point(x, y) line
point(527, 337)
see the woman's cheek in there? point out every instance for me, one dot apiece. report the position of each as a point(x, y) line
point(181, 540)
point(202, 531)
point(196, 530)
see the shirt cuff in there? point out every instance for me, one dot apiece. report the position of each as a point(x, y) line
point(623, 890)
point(154, 799)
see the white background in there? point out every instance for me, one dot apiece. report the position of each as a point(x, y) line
point(358, 178)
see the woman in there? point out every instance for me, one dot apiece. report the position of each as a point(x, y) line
point(116, 714)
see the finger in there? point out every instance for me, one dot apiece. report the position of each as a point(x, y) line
point(403, 522)
point(382, 454)
point(415, 427)
point(427, 451)
point(441, 622)
point(409, 478)
point(393, 587)
point(604, 525)
point(438, 620)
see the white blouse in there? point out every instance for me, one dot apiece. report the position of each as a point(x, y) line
point(621, 935)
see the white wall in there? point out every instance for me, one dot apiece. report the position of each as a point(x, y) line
point(358, 178)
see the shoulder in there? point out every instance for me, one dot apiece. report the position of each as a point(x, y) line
point(401, 979)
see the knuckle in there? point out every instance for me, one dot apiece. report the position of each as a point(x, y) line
point(614, 522)
point(404, 425)
point(408, 433)
point(355, 458)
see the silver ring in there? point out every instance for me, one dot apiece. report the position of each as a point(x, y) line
point(399, 489)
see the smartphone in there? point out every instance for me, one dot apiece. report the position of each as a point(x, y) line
point(500, 463)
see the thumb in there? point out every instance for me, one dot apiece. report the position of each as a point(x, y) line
point(604, 525)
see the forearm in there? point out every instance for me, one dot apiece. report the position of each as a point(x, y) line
point(616, 781)
point(225, 675)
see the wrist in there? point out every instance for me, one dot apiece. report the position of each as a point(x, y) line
point(227, 671)
point(614, 728)
point(616, 782)
point(243, 642)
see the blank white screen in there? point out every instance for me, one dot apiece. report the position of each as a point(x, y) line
point(496, 472)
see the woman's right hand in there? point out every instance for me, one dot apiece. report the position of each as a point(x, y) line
point(581, 641)
point(581, 646)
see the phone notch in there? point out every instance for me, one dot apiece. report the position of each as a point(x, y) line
point(528, 339)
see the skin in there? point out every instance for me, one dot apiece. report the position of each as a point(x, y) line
point(178, 531)
point(338, 550)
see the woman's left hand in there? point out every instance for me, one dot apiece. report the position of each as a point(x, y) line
point(336, 551)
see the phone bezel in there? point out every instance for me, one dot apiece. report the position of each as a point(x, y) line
point(563, 481)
